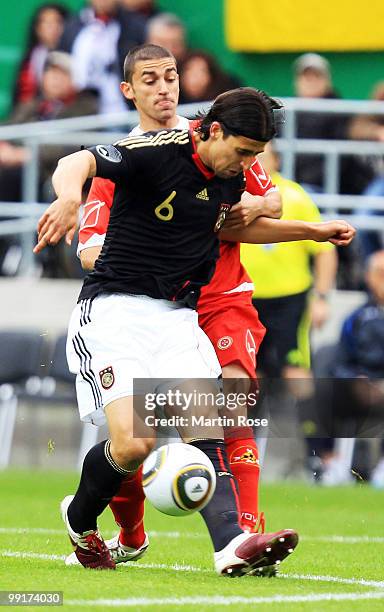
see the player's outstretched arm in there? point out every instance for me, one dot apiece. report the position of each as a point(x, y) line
point(266, 231)
point(61, 216)
point(251, 207)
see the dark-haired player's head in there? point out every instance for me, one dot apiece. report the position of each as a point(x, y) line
point(237, 127)
point(243, 112)
point(152, 83)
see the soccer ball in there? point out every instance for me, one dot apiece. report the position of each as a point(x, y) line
point(178, 479)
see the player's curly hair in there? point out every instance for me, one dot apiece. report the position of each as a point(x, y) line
point(243, 112)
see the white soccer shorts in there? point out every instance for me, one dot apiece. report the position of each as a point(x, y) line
point(114, 339)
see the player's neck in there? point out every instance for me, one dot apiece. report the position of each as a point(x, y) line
point(147, 124)
point(203, 149)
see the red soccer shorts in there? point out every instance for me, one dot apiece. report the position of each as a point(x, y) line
point(235, 332)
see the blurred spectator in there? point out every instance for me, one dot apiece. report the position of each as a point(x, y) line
point(359, 357)
point(371, 127)
point(99, 38)
point(313, 80)
point(361, 347)
point(201, 78)
point(283, 279)
point(168, 31)
point(59, 99)
point(45, 31)
point(147, 8)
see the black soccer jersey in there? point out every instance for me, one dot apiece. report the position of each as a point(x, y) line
point(167, 208)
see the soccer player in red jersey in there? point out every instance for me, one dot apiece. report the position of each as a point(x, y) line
point(225, 308)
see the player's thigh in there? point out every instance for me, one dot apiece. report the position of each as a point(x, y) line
point(186, 352)
point(105, 353)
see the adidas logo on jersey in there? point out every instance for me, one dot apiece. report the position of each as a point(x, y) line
point(203, 194)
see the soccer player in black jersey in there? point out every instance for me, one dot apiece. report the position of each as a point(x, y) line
point(132, 319)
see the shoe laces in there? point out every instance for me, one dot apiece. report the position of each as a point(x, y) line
point(92, 541)
point(260, 524)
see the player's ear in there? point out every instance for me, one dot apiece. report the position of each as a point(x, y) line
point(127, 90)
point(215, 129)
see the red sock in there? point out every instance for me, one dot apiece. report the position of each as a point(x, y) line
point(243, 457)
point(128, 509)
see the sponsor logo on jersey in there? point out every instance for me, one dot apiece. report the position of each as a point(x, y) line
point(224, 343)
point(107, 377)
point(224, 208)
point(203, 195)
point(244, 455)
point(109, 152)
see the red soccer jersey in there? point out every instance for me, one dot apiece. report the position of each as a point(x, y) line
point(230, 278)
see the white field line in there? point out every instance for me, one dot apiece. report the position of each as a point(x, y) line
point(333, 539)
point(190, 568)
point(217, 600)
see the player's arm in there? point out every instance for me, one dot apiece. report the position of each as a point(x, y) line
point(88, 257)
point(260, 198)
point(251, 207)
point(266, 231)
point(324, 276)
point(60, 218)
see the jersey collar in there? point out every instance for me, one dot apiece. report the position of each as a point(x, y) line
point(207, 172)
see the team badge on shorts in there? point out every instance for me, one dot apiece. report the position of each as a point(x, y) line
point(107, 377)
point(224, 343)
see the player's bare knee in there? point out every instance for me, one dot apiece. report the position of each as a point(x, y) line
point(142, 447)
point(131, 453)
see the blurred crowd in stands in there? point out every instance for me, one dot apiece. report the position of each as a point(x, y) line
point(72, 66)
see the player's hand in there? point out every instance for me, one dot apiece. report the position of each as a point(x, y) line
point(339, 233)
point(244, 212)
point(319, 312)
point(59, 219)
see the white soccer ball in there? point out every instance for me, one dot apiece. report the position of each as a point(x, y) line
point(178, 479)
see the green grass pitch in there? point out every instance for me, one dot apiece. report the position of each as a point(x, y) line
point(338, 564)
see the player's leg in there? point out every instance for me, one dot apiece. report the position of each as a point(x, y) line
point(104, 468)
point(236, 334)
point(98, 336)
point(236, 552)
point(188, 355)
point(242, 450)
point(128, 509)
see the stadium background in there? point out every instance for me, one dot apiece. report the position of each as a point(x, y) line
point(211, 24)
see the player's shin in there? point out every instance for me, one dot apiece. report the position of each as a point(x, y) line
point(101, 478)
point(221, 515)
point(243, 457)
point(128, 509)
